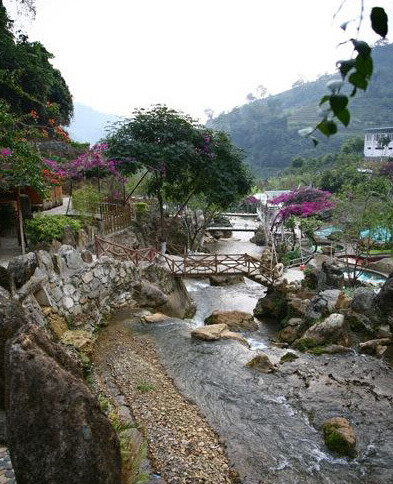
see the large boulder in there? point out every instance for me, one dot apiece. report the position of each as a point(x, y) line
point(235, 320)
point(273, 305)
point(12, 318)
point(56, 429)
point(363, 300)
point(292, 330)
point(324, 273)
point(332, 330)
point(259, 237)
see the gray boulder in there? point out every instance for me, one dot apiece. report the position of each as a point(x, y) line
point(56, 429)
point(333, 330)
point(22, 268)
point(384, 300)
point(324, 273)
point(363, 300)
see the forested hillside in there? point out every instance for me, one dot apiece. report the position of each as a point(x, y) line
point(267, 129)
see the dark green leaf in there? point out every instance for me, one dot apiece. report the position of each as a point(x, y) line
point(346, 66)
point(364, 65)
point(314, 140)
point(327, 127)
point(379, 21)
point(361, 47)
point(344, 117)
point(324, 99)
point(338, 102)
point(358, 80)
point(354, 91)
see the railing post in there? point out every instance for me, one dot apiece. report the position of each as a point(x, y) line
point(216, 263)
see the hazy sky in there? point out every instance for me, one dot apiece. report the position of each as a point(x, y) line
point(121, 54)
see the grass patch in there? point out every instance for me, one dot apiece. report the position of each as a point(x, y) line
point(144, 387)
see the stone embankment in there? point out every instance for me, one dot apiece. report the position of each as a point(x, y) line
point(51, 306)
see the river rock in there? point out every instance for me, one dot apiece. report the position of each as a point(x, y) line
point(155, 318)
point(273, 305)
point(261, 363)
point(259, 237)
point(363, 300)
point(288, 357)
point(339, 436)
point(56, 429)
point(343, 301)
point(22, 268)
point(6, 280)
point(209, 333)
point(225, 280)
point(332, 330)
point(87, 256)
point(375, 347)
point(292, 330)
point(235, 320)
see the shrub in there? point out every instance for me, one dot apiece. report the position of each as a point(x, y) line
point(86, 200)
point(45, 228)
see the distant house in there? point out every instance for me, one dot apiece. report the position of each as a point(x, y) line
point(378, 143)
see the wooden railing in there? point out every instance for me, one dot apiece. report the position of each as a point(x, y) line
point(115, 215)
point(122, 252)
point(202, 265)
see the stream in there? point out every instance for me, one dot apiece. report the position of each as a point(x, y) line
point(271, 423)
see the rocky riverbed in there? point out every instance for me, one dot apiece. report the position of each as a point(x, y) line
point(182, 446)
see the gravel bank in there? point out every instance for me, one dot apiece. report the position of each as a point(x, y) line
point(182, 446)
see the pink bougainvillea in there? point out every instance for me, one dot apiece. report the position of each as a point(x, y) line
point(303, 202)
point(92, 163)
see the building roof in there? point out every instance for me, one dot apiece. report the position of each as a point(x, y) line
point(380, 130)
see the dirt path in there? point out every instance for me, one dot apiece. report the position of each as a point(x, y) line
point(182, 446)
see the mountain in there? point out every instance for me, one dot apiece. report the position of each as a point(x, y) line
point(88, 125)
point(267, 129)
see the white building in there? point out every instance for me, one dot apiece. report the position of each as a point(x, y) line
point(378, 143)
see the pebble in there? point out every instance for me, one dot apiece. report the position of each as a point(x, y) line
point(7, 475)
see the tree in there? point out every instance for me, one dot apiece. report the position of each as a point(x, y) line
point(21, 164)
point(28, 81)
point(185, 159)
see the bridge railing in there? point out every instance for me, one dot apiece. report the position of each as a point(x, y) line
point(209, 264)
point(122, 252)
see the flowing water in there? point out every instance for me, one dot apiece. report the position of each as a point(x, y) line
point(271, 422)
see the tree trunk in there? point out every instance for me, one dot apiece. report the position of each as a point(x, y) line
point(20, 220)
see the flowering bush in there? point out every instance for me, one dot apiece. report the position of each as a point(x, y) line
point(90, 164)
point(303, 202)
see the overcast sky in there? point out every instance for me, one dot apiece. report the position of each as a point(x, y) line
point(118, 55)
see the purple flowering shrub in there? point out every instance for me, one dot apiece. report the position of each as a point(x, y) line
point(303, 202)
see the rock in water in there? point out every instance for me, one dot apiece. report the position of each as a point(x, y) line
point(339, 436)
point(235, 320)
point(57, 432)
point(261, 363)
point(209, 333)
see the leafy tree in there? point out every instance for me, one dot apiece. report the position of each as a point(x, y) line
point(28, 81)
point(184, 158)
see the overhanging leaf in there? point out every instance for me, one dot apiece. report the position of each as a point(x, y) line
point(346, 66)
point(344, 116)
point(358, 80)
point(327, 127)
point(338, 102)
point(379, 21)
point(364, 65)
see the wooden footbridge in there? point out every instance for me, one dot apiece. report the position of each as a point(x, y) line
point(198, 265)
point(234, 228)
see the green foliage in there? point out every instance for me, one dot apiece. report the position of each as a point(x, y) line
point(28, 81)
point(45, 228)
point(144, 387)
point(86, 201)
